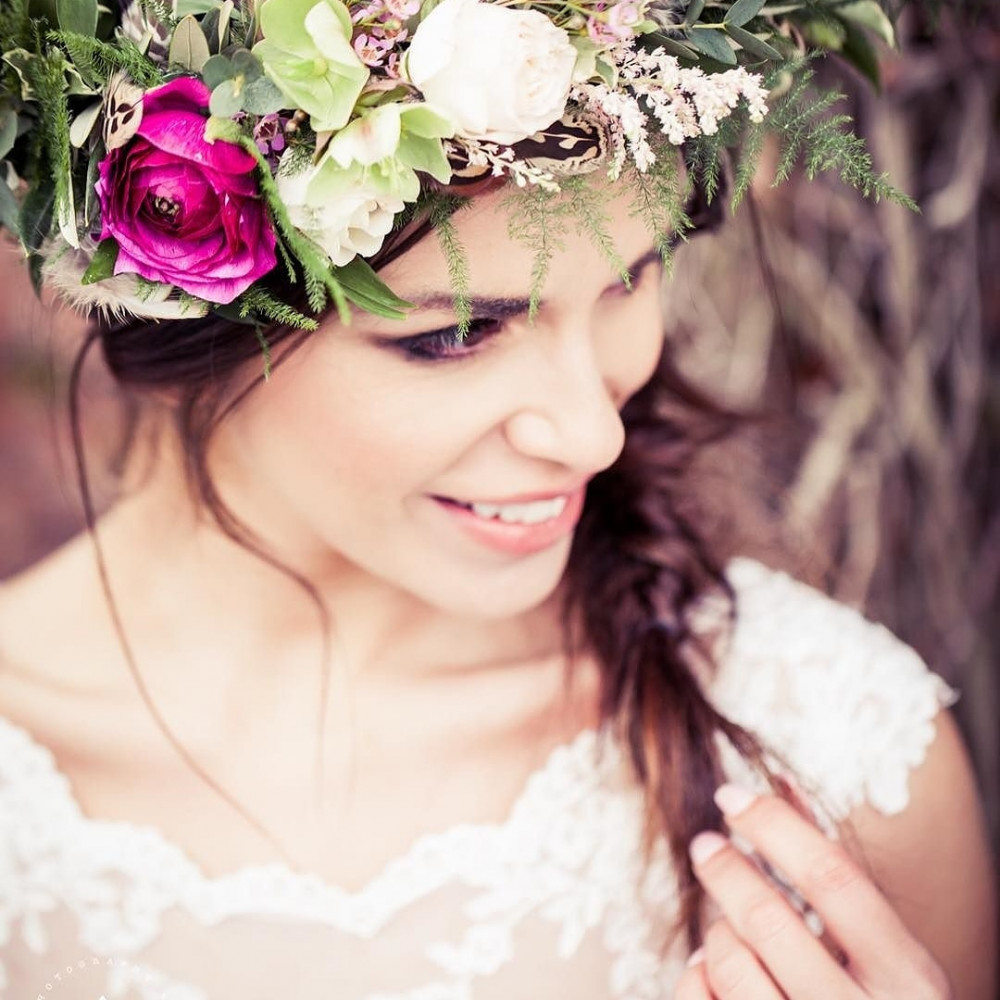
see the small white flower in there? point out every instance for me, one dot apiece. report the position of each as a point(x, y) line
point(356, 222)
point(500, 74)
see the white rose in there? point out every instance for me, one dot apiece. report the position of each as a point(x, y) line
point(499, 74)
point(345, 226)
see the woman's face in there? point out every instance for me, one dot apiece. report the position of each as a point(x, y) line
point(452, 472)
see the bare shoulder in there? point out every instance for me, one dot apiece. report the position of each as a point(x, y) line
point(54, 634)
point(932, 860)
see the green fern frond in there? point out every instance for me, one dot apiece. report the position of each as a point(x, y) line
point(658, 198)
point(159, 10)
point(287, 261)
point(315, 291)
point(537, 219)
point(808, 133)
point(100, 59)
point(259, 303)
point(705, 163)
point(15, 25)
point(265, 350)
point(52, 159)
point(318, 276)
point(441, 212)
point(145, 289)
point(587, 205)
point(749, 161)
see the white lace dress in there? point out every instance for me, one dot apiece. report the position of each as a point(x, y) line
point(548, 903)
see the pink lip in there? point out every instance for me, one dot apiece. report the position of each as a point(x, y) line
point(566, 491)
point(517, 539)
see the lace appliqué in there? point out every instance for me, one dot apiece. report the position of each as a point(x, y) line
point(849, 706)
point(568, 852)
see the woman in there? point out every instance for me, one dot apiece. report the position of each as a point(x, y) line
point(501, 783)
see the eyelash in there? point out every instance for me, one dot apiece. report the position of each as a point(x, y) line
point(446, 345)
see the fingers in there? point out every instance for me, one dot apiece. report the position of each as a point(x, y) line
point(693, 985)
point(883, 956)
point(768, 928)
point(733, 970)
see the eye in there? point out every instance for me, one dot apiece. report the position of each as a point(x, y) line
point(446, 344)
point(642, 275)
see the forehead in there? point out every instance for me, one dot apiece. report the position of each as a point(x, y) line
point(501, 238)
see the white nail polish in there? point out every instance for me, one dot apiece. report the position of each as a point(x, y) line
point(733, 799)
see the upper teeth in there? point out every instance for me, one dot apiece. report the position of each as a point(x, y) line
point(522, 513)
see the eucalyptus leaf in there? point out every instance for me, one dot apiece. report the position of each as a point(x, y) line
point(752, 44)
point(868, 14)
point(225, 16)
point(743, 11)
point(83, 124)
point(102, 264)
point(210, 29)
point(672, 46)
point(8, 133)
point(44, 10)
point(217, 69)
point(79, 16)
point(226, 100)
point(8, 210)
point(693, 12)
point(607, 72)
point(262, 97)
point(246, 64)
point(860, 53)
point(711, 42)
point(189, 47)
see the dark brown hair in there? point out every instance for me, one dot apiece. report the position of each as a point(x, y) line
point(639, 566)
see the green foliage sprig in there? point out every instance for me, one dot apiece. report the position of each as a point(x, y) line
point(58, 59)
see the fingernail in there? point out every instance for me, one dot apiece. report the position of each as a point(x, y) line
point(734, 799)
point(705, 845)
point(696, 957)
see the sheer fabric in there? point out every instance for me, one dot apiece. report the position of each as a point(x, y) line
point(552, 901)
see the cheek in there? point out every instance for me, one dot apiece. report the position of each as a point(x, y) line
point(353, 442)
point(630, 342)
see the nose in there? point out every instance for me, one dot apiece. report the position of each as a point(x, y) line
point(569, 408)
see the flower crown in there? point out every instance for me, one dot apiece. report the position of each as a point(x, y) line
point(166, 159)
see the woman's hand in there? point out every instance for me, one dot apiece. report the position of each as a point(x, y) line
point(762, 948)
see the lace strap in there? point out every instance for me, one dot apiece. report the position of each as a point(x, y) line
point(845, 702)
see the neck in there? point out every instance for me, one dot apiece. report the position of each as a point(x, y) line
point(194, 593)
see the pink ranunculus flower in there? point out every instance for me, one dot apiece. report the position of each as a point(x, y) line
point(185, 211)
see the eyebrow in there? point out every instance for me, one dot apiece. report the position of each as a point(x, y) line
point(508, 308)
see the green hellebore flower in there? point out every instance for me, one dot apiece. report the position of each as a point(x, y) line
point(306, 51)
point(383, 149)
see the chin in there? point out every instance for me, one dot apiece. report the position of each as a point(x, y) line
point(504, 592)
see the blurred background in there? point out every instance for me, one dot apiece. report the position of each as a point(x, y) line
point(867, 340)
point(866, 337)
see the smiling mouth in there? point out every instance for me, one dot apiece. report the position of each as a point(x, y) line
point(528, 512)
point(531, 512)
